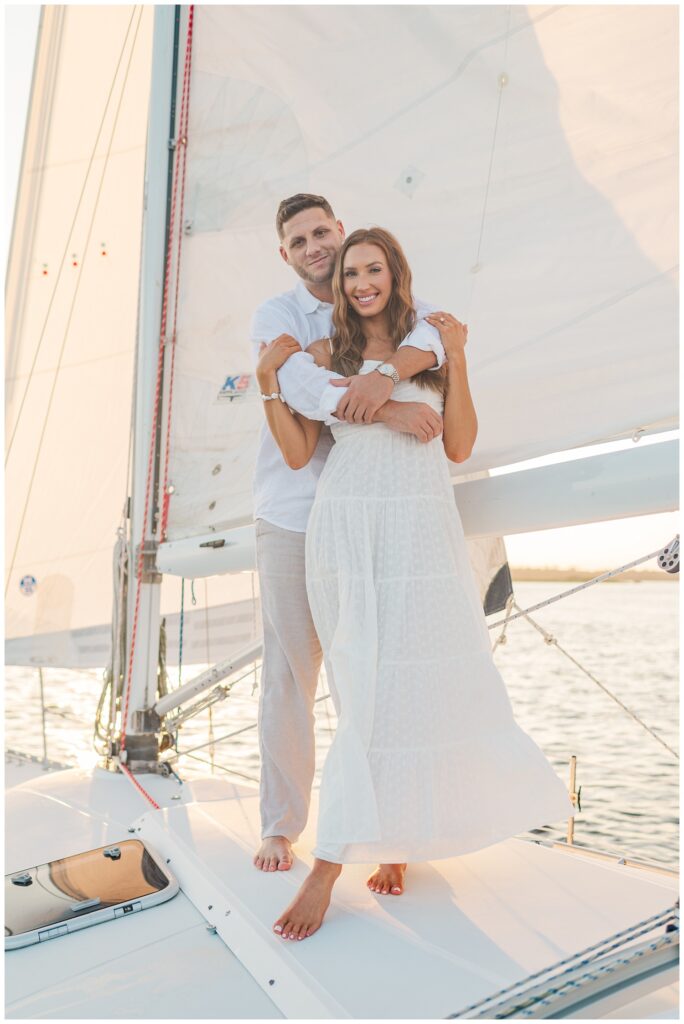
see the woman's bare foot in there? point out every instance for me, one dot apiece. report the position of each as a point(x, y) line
point(305, 914)
point(387, 878)
point(274, 854)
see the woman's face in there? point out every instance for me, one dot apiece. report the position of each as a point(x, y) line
point(366, 278)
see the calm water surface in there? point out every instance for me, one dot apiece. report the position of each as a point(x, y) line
point(625, 634)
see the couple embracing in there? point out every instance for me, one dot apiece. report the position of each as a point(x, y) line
point(363, 562)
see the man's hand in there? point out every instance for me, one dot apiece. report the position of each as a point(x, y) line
point(367, 392)
point(453, 334)
point(415, 418)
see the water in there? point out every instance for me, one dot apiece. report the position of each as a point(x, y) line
point(624, 633)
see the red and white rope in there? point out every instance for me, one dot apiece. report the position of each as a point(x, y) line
point(180, 172)
point(181, 150)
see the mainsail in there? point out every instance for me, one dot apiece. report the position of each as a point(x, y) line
point(526, 162)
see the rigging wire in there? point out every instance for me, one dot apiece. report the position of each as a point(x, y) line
point(501, 639)
point(574, 590)
point(223, 768)
point(71, 310)
point(237, 732)
point(552, 641)
point(180, 633)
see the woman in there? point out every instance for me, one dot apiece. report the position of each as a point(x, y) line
point(427, 760)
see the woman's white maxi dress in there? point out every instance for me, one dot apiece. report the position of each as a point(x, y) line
point(427, 760)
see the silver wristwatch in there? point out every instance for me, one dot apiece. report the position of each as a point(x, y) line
point(387, 370)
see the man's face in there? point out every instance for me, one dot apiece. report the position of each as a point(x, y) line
point(310, 244)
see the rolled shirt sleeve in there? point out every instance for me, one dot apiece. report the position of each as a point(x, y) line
point(306, 387)
point(426, 337)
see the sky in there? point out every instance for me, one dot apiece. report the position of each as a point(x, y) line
point(591, 546)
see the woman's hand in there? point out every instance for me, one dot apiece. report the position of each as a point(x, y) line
point(273, 355)
point(453, 333)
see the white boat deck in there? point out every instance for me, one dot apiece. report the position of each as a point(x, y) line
point(464, 928)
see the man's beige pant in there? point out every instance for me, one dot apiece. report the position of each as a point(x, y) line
point(289, 675)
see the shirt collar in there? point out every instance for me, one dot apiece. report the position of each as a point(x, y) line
point(307, 301)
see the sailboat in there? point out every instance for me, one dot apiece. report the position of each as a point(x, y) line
point(526, 158)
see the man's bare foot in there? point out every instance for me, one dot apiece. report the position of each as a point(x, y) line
point(274, 854)
point(305, 914)
point(387, 878)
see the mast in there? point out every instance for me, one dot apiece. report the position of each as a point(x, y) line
point(141, 721)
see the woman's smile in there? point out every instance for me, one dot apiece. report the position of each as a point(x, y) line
point(365, 300)
point(367, 278)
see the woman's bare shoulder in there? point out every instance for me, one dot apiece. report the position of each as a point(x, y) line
point(320, 350)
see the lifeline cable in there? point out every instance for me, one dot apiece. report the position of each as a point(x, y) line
point(550, 639)
point(575, 590)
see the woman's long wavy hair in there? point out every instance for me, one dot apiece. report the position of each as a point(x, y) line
point(348, 341)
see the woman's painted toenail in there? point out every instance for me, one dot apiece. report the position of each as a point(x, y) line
point(278, 928)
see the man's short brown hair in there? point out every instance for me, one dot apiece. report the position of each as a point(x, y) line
point(295, 204)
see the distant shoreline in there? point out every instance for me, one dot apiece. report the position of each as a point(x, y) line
point(553, 575)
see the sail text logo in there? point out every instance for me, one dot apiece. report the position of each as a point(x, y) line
point(236, 386)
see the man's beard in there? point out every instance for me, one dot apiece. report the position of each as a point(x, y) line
point(323, 276)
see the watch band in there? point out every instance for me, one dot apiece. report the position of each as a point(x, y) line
point(387, 370)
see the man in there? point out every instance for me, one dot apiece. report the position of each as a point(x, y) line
point(310, 238)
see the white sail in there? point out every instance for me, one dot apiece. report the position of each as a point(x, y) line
point(526, 162)
point(71, 317)
point(72, 310)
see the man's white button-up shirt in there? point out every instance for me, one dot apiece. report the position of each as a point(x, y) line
point(284, 496)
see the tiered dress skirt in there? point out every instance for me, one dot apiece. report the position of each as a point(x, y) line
point(428, 760)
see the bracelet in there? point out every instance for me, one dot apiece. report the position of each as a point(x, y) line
point(276, 394)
